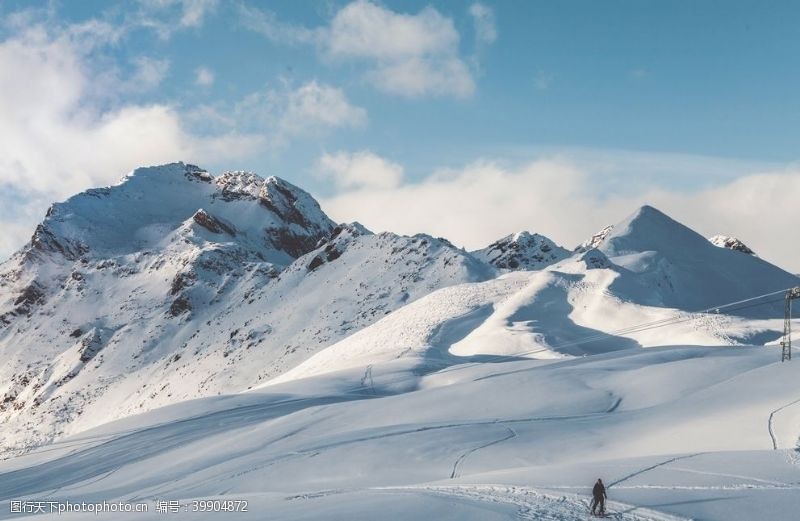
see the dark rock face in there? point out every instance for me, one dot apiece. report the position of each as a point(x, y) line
point(195, 173)
point(211, 223)
point(329, 254)
point(31, 296)
point(294, 244)
point(182, 280)
point(180, 305)
point(91, 344)
point(279, 199)
point(44, 241)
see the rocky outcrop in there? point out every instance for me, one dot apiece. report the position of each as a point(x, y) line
point(211, 223)
point(731, 243)
point(522, 251)
point(595, 240)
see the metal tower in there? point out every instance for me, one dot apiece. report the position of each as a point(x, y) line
point(786, 343)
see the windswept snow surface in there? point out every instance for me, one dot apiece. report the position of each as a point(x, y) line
point(675, 432)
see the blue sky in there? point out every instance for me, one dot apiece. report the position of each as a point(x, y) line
point(463, 106)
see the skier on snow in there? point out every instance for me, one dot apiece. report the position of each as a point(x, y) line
point(599, 498)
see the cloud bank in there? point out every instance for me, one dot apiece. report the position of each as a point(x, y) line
point(557, 197)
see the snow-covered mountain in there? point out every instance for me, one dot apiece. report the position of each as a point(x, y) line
point(175, 284)
point(505, 380)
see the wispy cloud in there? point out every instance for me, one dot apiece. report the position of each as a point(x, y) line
point(411, 55)
point(483, 20)
point(167, 16)
point(284, 113)
point(204, 76)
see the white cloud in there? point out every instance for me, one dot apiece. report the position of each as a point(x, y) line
point(286, 113)
point(317, 105)
point(360, 169)
point(483, 19)
point(405, 54)
point(410, 55)
point(483, 201)
point(204, 76)
point(149, 73)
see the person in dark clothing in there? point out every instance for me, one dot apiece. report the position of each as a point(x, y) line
point(599, 498)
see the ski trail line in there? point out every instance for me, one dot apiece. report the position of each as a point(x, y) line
point(771, 422)
point(460, 461)
point(651, 467)
point(533, 504)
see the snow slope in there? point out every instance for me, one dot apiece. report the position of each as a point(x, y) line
point(676, 433)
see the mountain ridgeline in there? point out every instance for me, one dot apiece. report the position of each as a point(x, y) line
point(175, 284)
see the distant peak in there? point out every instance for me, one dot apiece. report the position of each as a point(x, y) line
point(649, 212)
point(649, 229)
point(522, 250)
point(731, 243)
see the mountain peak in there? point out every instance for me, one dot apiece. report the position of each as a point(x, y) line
point(649, 229)
point(522, 250)
point(151, 203)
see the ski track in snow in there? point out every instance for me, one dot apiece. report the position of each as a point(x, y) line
point(653, 467)
point(458, 465)
point(771, 422)
point(532, 504)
